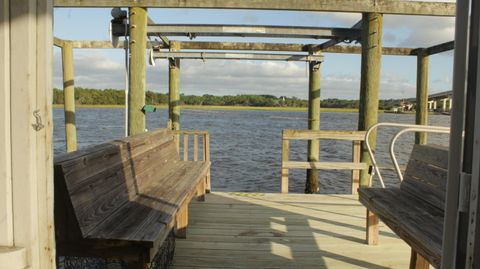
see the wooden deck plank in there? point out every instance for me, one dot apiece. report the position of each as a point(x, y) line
point(255, 230)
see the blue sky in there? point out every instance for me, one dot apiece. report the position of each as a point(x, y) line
point(340, 73)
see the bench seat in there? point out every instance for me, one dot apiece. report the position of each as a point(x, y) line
point(122, 199)
point(415, 210)
point(416, 222)
point(157, 202)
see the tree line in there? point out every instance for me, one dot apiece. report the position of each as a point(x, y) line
point(85, 96)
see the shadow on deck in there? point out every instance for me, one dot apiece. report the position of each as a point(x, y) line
point(250, 230)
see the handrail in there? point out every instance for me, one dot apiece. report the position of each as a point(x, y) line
point(355, 136)
point(408, 128)
point(394, 139)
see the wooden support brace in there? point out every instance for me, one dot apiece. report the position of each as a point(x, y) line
point(372, 228)
point(181, 222)
point(201, 190)
point(208, 186)
point(417, 261)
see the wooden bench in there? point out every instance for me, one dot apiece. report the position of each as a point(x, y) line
point(415, 210)
point(122, 199)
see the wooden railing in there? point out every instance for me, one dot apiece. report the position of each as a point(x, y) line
point(184, 135)
point(355, 165)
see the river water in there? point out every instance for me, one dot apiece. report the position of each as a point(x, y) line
point(246, 144)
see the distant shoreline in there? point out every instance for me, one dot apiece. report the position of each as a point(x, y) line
point(189, 107)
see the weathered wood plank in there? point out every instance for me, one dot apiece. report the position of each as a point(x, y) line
point(324, 134)
point(431, 154)
point(325, 165)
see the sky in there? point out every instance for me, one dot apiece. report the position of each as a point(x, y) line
point(340, 73)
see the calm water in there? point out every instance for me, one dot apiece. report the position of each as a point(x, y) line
point(246, 145)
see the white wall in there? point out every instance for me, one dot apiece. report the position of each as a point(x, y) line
point(26, 179)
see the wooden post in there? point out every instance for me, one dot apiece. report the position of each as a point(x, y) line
point(69, 97)
point(372, 228)
point(285, 151)
point(370, 81)
point(195, 147)
point(181, 221)
point(138, 45)
point(174, 88)
point(421, 112)
point(417, 261)
point(206, 152)
point(356, 154)
point(312, 185)
point(185, 147)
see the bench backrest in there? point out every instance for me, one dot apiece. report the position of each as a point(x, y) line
point(426, 174)
point(93, 183)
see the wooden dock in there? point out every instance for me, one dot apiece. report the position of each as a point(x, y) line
point(257, 230)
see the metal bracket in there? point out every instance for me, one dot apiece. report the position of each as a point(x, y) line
point(464, 197)
point(38, 125)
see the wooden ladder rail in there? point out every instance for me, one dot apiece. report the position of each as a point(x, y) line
point(357, 137)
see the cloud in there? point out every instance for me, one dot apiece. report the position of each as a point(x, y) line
point(419, 31)
point(221, 77)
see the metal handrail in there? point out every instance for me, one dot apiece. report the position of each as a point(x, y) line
point(394, 139)
point(407, 128)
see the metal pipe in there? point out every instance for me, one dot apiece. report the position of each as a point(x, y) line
point(424, 128)
point(394, 139)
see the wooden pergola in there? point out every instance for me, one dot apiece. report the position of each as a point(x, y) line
point(26, 40)
point(175, 51)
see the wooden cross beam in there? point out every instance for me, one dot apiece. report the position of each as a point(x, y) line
point(401, 7)
point(192, 31)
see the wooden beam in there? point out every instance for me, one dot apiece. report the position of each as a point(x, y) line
point(313, 152)
point(325, 165)
point(237, 56)
point(324, 134)
point(370, 82)
point(335, 41)
point(441, 48)
point(351, 6)
point(421, 111)
point(136, 94)
point(194, 30)
point(196, 45)
point(69, 97)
